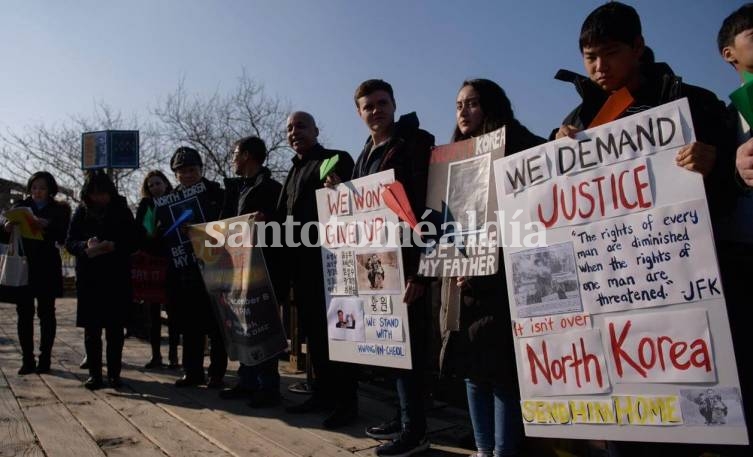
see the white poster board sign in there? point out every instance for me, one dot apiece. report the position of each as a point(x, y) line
point(620, 320)
point(367, 321)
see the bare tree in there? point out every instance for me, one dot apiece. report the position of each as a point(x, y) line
point(57, 149)
point(212, 124)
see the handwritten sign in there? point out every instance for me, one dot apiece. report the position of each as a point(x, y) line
point(363, 274)
point(618, 311)
point(461, 203)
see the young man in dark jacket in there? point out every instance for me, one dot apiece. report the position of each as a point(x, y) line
point(735, 246)
point(253, 191)
point(615, 56)
point(186, 286)
point(404, 147)
point(335, 384)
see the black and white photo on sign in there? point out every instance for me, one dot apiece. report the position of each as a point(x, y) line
point(178, 208)
point(378, 272)
point(345, 319)
point(712, 406)
point(467, 194)
point(545, 281)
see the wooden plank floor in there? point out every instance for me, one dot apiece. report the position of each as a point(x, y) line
point(53, 415)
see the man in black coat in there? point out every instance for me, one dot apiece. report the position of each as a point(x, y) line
point(615, 56)
point(335, 384)
point(254, 191)
point(735, 235)
point(406, 148)
point(186, 287)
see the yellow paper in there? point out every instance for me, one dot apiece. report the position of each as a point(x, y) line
point(23, 216)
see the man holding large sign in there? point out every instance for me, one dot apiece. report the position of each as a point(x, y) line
point(645, 338)
point(195, 200)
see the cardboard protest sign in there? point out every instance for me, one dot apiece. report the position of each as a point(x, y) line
point(618, 311)
point(169, 209)
point(461, 203)
point(236, 277)
point(367, 321)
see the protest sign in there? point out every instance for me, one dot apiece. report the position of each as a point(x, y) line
point(461, 204)
point(169, 208)
point(620, 318)
point(237, 281)
point(367, 321)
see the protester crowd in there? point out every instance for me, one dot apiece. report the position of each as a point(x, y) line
point(102, 234)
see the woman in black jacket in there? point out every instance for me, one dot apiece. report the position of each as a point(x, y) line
point(45, 269)
point(482, 350)
point(154, 186)
point(102, 237)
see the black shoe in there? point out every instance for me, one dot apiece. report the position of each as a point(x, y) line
point(340, 418)
point(115, 382)
point(84, 363)
point(94, 383)
point(312, 405)
point(153, 364)
point(215, 382)
point(43, 366)
point(406, 444)
point(27, 367)
point(189, 381)
point(235, 392)
point(386, 431)
point(265, 399)
point(173, 366)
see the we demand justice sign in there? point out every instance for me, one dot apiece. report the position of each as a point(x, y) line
point(620, 320)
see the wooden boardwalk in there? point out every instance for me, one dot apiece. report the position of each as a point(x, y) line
point(53, 415)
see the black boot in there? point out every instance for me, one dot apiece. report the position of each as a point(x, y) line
point(28, 366)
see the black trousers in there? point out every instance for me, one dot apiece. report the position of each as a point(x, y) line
point(197, 320)
point(335, 382)
point(93, 345)
point(25, 326)
point(155, 331)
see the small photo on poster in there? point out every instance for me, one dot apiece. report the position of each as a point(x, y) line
point(712, 406)
point(345, 319)
point(378, 272)
point(466, 204)
point(545, 281)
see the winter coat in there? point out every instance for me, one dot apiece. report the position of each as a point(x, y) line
point(103, 283)
point(408, 153)
point(298, 200)
point(45, 266)
point(660, 85)
point(249, 195)
point(483, 348)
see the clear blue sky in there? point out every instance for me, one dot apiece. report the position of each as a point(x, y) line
point(59, 58)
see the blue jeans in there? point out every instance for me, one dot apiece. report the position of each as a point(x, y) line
point(262, 377)
point(495, 415)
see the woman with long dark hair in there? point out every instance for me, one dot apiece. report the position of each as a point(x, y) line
point(482, 350)
point(50, 217)
point(102, 237)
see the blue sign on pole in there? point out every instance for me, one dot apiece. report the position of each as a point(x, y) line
point(110, 149)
